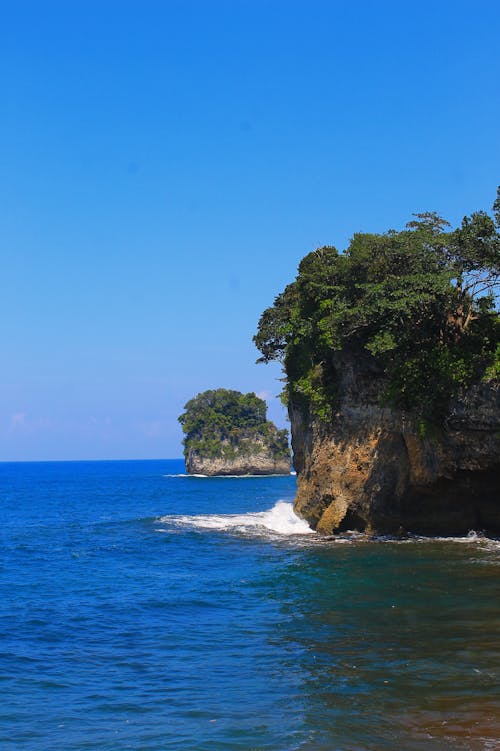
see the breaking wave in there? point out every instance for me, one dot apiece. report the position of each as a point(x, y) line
point(227, 477)
point(280, 520)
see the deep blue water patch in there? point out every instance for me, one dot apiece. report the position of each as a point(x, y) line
point(145, 610)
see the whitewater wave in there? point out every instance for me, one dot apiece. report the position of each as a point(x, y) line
point(280, 520)
point(222, 477)
point(183, 474)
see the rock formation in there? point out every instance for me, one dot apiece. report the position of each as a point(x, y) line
point(391, 356)
point(375, 469)
point(259, 460)
point(227, 433)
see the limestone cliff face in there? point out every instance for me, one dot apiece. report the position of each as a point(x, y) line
point(371, 470)
point(259, 462)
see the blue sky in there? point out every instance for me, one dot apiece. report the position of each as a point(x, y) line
point(164, 167)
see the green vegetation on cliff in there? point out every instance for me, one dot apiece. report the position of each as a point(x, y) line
point(419, 304)
point(225, 423)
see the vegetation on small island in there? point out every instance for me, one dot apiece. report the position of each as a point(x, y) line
point(225, 423)
point(419, 303)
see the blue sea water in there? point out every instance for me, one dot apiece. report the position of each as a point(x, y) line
point(142, 609)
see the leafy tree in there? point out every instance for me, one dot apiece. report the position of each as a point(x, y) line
point(421, 303)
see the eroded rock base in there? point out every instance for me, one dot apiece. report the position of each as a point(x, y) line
point(371, 469)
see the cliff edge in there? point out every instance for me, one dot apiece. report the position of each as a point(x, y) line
point(391, 355)
point(374, 469)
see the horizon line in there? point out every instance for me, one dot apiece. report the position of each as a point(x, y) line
point(60, 461)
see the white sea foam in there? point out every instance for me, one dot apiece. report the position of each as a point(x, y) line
point(183, 474)
point(477, 539)
point(280, 520)
point(223, 477)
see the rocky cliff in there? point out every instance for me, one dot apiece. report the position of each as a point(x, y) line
point(259, 461)
point(375, 469)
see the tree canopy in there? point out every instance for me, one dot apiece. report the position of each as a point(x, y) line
point(421, 302)
point(225, 422)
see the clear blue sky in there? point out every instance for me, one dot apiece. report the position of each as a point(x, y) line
point(164, 167)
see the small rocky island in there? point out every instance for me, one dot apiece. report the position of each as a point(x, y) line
point(391, 353)
point(227, 433)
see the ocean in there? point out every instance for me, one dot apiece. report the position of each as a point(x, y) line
point(143, 609)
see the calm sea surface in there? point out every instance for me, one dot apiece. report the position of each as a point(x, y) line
point(145, 610)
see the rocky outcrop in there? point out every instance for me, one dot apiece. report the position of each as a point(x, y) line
point(262, 461)
point(227, 433)
point(371, 469)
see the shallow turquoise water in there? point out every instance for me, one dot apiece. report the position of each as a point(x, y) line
point(144, 610)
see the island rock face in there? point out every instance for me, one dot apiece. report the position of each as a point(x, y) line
point(227, 433)
point(371, 469)
point(259, 461)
